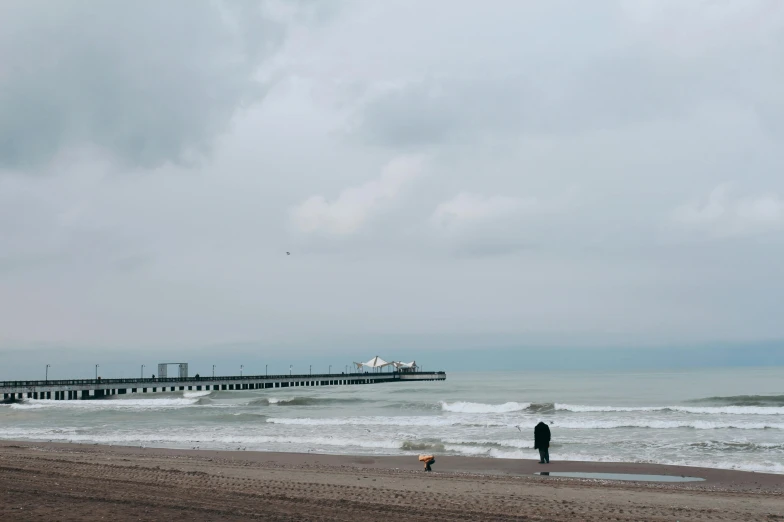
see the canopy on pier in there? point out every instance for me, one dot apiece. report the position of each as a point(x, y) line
point(375, 362)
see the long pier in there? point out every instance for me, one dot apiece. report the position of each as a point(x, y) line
point(78, 389)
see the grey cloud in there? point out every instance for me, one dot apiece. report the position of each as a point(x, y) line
point(148, 82)
point(628, 82)
point(621, 91)
point(511, 103)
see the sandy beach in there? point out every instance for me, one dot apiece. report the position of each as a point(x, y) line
point(51, 481)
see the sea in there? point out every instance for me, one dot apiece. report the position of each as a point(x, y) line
point(729, 418)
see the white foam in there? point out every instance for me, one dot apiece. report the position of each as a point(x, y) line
point(496, 453)
point(478, 407)
point(216, 438)
point(577, 423)
point(760, 467)
point(281, 400)
point(379, 421)
point(104, 404)
point(195, 394)
point(509, 443)
point(590, 424)
point(707, 410)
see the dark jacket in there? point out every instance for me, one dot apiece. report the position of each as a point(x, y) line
point(541, 436)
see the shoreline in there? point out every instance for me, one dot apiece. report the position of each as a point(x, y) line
point(66, 481)
point(714, 478)
point(463, 463)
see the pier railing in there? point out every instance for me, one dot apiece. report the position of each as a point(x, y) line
point(196, 380)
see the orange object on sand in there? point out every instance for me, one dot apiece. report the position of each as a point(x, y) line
point(427, 460)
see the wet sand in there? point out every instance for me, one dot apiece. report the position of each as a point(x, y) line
point(50, 481)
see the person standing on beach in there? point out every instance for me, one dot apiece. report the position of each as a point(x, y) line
point(542, 442)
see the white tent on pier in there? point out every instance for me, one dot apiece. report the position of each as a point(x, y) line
point(401, 366)
point(375, 362)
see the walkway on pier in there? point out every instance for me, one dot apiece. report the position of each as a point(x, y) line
point(97, 388)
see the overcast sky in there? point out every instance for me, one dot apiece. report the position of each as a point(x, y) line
point(569, 171)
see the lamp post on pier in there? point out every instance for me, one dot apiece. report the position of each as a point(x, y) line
point(96, 372)
point(265, 370)
point(213, 371)
point(47, 372)
point(142, 372)
point(290, 366)
point(241, 367)
point(310, 370)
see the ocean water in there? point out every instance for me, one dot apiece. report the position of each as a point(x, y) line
point(725, 418)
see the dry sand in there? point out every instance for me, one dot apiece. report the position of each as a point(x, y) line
point(40, 481)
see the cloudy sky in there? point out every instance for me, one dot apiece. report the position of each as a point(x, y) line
point(564, 171)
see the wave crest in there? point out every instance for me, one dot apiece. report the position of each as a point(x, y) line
point(478, 407)
point(421, 446)
point(707, 410)
point(743, 400)
point(302, 401)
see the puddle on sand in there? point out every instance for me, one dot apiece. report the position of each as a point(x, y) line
point(620, 476)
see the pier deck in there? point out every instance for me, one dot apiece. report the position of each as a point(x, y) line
point(96, 388)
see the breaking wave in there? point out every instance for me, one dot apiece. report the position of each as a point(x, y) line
point(545, 407)
point(528, 424)
point(477, 407)
point(743, 400)
point(722, 445)
point(539, 408)
point(109, 404)
point(302, 401)
point(421, 446)
point(726, 410)
point(195, 394)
